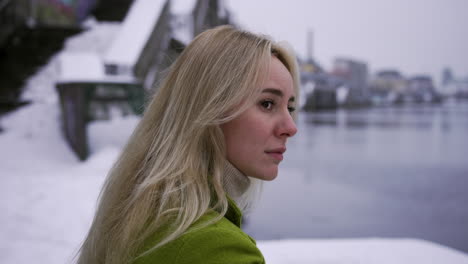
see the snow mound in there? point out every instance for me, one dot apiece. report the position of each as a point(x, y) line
point(359, 251)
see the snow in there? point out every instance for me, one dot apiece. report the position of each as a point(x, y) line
point(382, 251)
point(136, 29)
point(182, 7)
point(86, 67)
point(48, 197)
point(81, 66)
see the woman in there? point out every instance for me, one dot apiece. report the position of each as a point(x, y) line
point(224, 111)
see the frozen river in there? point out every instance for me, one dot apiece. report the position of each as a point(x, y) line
point(385, 172)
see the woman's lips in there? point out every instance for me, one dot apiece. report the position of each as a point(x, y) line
point(277, 153)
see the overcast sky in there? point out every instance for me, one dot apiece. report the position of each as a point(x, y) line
point(415, 36)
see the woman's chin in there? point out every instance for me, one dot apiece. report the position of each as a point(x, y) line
point(267, 175)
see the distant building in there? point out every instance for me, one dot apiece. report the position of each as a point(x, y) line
point(421, 89)
point(354, 75)
point(387, 81)
point(453, 86)
point(387, 87)
point(318, 87)
point(310, 66)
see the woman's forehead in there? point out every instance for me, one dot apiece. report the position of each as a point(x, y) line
point(278, 77)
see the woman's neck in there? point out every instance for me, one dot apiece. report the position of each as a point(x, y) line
point(235, 183)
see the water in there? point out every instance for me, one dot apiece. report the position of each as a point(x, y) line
point(385, 172)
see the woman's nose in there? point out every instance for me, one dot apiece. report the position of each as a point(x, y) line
point(287, 126)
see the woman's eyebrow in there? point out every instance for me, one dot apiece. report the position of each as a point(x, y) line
point(278, 93)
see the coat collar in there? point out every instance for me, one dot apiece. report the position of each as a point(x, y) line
point(233, 213)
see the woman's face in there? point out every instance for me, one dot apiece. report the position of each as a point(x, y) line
point(256, 139)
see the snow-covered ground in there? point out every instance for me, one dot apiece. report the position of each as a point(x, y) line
point(48, 197)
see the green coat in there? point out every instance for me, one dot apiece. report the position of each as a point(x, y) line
point(222, 242)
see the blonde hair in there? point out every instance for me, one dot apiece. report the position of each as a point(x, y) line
point(170, 172)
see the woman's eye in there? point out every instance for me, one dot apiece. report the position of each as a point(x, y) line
point(267, 104)
point(291, 109)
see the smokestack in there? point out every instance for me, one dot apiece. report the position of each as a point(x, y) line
point(310, 44)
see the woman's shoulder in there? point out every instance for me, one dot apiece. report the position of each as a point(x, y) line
point(218, 242)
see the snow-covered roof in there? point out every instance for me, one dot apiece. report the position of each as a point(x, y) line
point(136, 29)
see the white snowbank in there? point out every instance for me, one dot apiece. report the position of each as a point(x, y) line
point(47, 197)
point(362, 251)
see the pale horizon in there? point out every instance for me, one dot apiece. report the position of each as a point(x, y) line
point(415, 37)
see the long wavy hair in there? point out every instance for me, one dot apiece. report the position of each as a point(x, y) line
point(171, 170)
